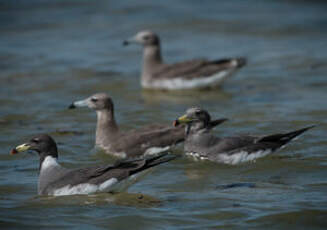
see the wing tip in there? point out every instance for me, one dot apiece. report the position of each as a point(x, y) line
point(240, 62)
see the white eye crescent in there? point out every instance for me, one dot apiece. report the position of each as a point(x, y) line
point(36, 140)
point(198, 112)
point(94, 99)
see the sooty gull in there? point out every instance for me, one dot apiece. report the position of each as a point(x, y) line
point(150, 139)
point(192, 74)
point(57, 180)
point(202, 144)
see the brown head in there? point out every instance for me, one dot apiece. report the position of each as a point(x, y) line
point(145, 38)
point(97, 102)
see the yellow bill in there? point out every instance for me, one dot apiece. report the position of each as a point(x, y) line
point(20, 148)
point(184, 119)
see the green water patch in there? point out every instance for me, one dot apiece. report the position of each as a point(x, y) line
point(302, 219)
point(121, 199)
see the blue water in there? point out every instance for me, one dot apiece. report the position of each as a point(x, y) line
point(55, 52)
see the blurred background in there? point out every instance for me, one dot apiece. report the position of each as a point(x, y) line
point(55, 52)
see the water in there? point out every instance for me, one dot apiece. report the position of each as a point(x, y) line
point(54, 52)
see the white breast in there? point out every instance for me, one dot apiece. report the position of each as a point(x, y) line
point(86, 188)
point(109, 151)
point(156, 150)
point(196, 156)
point(48, 163)
point(182, 83)
point(242, 156)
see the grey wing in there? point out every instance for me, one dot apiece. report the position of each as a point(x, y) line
point(136, 142)
point(255, 147)
point(99, 174)
point(182, 69)
point(92, 175)
point(272, 142)
point(192, 69)
point(228, 144)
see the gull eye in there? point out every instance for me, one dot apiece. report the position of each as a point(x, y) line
point(93, 99)
point(36, 140)
point(146, 37)
point(198, 112)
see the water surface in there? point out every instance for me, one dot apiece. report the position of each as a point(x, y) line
point(54, 52)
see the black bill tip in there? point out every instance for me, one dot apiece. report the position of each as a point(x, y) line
point(13, 151)
point(176, 123)
point(125, 43)
point(72, 106)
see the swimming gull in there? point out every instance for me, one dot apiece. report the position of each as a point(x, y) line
point(192, 74)
point(202, 144)
point(149, 139)
point(57, 180)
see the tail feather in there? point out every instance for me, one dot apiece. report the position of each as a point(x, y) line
point(154, 161)
point(237, 62)
point(241, 61)
point(286, 137)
